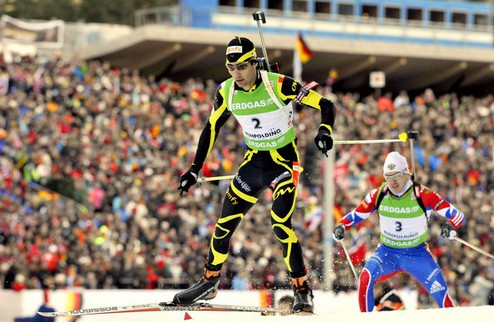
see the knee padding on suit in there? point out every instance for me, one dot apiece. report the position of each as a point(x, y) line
point(284, 234)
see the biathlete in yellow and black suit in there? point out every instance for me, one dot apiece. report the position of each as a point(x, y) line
point(262, 102)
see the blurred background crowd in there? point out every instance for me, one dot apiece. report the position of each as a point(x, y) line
point(90, 158)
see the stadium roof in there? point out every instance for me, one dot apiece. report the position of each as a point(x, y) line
point(180, 53)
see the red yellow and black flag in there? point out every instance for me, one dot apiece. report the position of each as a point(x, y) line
point(304, 52)
point(301, 55)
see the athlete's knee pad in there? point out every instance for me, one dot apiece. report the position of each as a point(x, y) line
point(284, 233)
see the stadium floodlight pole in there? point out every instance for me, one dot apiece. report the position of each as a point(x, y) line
point(258, 17)
point(483, 252)
point(413, 135)
point(349, 260)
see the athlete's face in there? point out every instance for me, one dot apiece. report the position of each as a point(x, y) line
point(244, 74)
point(396, 180)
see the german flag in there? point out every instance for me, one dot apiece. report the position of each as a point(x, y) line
point(304, 53)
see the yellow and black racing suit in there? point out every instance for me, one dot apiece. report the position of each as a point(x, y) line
point(274, 165)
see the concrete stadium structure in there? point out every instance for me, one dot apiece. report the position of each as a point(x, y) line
point(444, 45)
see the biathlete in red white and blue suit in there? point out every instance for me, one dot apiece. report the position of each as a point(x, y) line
point(403, 207)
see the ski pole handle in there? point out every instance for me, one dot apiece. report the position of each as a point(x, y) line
point(259, 16)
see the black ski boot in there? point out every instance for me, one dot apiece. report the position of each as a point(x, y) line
point(303, 297)
point(205, 289)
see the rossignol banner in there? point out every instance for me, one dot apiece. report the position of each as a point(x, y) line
point(47, 34)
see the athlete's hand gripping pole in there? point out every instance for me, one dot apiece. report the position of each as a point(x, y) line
point(188, 179)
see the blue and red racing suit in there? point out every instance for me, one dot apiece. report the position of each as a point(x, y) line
point(403, 248)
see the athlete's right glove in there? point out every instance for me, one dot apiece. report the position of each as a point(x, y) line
point(188, 179)
point(324, 141)
point(339, 233)
point(448, 231)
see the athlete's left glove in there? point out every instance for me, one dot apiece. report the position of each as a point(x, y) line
point(339, 233)
point(324, 141)
point(448, 231)
point(188, 179)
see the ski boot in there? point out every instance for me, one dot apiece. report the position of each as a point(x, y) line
point(205, 289)
point(303, 297)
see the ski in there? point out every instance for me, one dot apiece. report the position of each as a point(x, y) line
point(163, 306)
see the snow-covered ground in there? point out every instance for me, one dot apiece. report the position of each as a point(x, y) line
point(329, 307)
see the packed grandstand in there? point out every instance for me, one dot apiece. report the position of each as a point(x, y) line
point(112, 144)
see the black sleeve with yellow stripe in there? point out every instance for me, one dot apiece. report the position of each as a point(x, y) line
point(289, 89)
point(211, 130)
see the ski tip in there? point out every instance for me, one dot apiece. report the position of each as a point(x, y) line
point(45, 314)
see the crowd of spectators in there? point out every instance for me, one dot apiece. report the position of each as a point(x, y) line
point(90, 159)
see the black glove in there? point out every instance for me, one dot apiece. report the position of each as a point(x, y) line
point(188, 179)
point(339, 233)
point(448, 231)
point(324, 141)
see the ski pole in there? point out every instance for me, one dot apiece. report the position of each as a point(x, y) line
point(219, 178)
point(402, 138)
point(349, 260)
point(483, 252)
point(413, 135)
point(258, 17)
